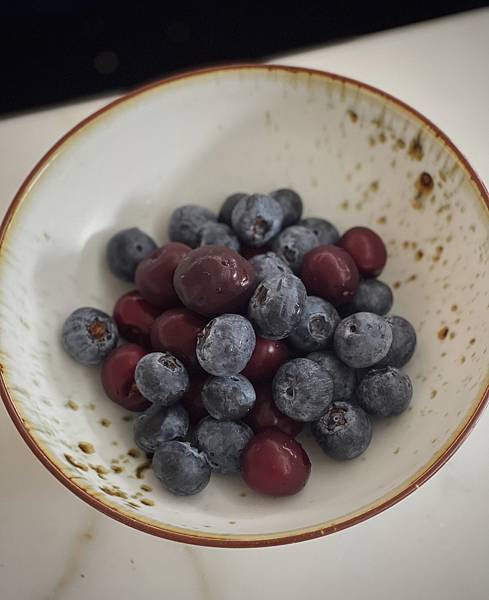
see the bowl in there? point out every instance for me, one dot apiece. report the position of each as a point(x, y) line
point(357, 156)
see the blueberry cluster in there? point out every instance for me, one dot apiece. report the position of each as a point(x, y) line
point(255, 289)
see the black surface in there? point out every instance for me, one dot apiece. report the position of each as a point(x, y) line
point(52, 52)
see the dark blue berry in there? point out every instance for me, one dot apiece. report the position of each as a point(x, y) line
point(293, 244)
point(126, 250)
point(372, 295)
point(186, 223)
point(160, 424)
point(344, 431)
point(316, 326)
point(291, 204)
point(223, 443)
point(228, 398)
point(362, 339)
point(181, 468)
point(344, 380)
point(325, 231)
point(403, 342)
point(384, 392)
point(257, 219)
point(227, 207)
point(89, 335)
point(161, 378)
point(225, 345)
point(302, 390)
point(218, 234)
point(276, 306)
point(268, 265)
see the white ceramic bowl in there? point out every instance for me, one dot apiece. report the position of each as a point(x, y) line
point(357, 156)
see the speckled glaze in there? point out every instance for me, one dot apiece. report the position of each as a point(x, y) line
point(357, 156)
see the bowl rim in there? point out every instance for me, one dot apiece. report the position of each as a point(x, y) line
point(245, 540)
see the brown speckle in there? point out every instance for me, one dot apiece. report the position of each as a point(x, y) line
point(382, 137)
point(127, 418)
point(134, 452)
point(411, 278)
point(113, 491)
point(418, 255)
point(353, 115)
point(433, 393)
point(100, 470)
point(405, 244)
point(86, 447)
point(454, 307)
point(462, 359)
point(344, 205)
point(232, 522)
point(374, 185)
point(117, 468)
point(415, 149)
point(443, 354)
point(114, 443)
point(72, 404)
point(92, 406)
point(396, 451)
point(472, 341)
point(243, 494)
point(452, 335)
point(434, 440)
point(400, 144)
point(105, 422)
point(147, 501)
point(146, 488)
point(443, 332)
point(75, 463)
point(141, 469)
point(396, 285)
point(371, 141)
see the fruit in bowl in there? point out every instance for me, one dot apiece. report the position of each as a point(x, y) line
point(358, 158)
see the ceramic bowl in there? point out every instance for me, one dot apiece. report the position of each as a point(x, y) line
point(357, 156)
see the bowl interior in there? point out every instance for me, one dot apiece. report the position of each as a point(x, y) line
point(357, 158)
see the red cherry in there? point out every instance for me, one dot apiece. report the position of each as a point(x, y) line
point(273, 463)
point(212, 280)
point(118, 377)
point(330, 272)
point(265, 414)
point(193, 402)
point(367, 250)
point(176, 331)
point(249, 252)
point(267, 357)
point(134, 317)
point(154, 275)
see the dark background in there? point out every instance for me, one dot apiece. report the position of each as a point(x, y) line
point(54, 51)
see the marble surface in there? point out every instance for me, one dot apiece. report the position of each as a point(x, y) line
point(434, 544)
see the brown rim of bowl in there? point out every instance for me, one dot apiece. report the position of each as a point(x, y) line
point(221, 540)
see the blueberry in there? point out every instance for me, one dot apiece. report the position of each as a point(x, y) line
point(181, 468)
point(89, 335)
point(344, 380)
point(228, 206)
point(325, 231)
point(186, 223)
point(372, 295)
point(403, 342)
point(302, 390)
point(362, 339)
point(160, 424)
point(223, 443)
point(126, 249)
point(257, 219)
point(385, 392)
point(228, 398)
point(276, 306)
point(225, 345)
point(218, 234)
point(268, 265)
point(161, 378)
point(344, 431)
point(316, 326)
point(293, 244)
point(291, 204)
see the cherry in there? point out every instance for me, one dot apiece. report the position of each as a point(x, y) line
point(267, 357)
point(249, 252)
point(367, 250)
point(330, 272)
point(193, 402)
point(273, 463)
point(134, 317)
point(212, 280)
point(118, 377)
point(176, 331)
point(154, 275)
point(265, 414)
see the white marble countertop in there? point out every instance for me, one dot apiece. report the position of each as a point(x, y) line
point(435, 544)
